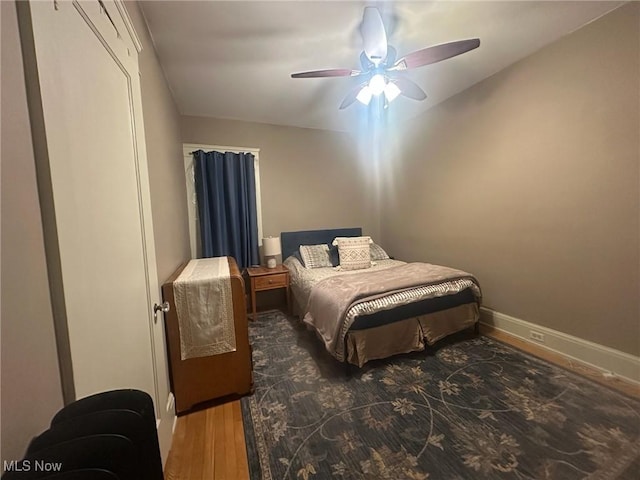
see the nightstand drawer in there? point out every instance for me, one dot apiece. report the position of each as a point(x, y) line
point(271, 281)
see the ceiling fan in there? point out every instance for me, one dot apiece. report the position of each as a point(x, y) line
point(381, 71)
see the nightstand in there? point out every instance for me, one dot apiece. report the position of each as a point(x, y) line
point(263, 278)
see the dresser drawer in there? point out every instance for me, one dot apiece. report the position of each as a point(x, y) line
point(271, 281)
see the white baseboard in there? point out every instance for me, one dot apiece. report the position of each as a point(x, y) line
point(610, 361)
point(170, 403)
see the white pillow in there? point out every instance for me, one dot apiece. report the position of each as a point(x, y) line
point(315, 256)
point(354, 252)
point(377, 252)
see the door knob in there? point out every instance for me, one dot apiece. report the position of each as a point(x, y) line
point(164, 308)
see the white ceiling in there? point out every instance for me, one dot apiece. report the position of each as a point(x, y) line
point(233, 59)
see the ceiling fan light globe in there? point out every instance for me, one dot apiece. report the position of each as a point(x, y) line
point(377, 84)
point(364, 95)
point(391, 91)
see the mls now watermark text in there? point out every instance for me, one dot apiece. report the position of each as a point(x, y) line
point(31, 465)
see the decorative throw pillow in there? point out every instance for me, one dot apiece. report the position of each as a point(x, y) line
point(354, 252)
point(377, 252)
point(315, 256)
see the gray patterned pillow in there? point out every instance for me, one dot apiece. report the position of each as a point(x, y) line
point(377, 252)
point(315, 256)
point(354, 252)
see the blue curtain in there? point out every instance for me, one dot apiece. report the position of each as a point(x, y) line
point(226, 196)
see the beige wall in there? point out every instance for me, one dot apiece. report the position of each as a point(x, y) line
point(530, 180)
point(164, 156)
point(31, 389)
point(310, 179)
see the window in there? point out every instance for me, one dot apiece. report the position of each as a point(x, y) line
point(187, 149)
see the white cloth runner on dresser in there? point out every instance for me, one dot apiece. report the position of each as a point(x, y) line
point(204, 305)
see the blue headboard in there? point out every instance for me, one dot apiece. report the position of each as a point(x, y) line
point(290, 241)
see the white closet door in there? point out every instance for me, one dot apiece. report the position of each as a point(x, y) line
point(102, 239)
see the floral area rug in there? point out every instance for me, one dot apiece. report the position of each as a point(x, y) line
point(469, 408)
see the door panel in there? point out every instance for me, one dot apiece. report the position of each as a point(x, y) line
point(96, 162)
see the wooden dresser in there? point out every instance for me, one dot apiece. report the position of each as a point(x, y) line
point(197, 380)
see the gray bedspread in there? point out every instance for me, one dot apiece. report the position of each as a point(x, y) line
point(334, 301)
point(304, 279)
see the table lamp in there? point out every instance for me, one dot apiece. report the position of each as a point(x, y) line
point(271, 248)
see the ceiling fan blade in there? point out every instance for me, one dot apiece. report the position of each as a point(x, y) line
point(374, 36)
point(351, 96)
point(434, 54)
point(365, 63)
point(391, 55)
point(410, 89)
point(334, 72)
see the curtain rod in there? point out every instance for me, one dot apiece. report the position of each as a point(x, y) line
point(230, 148)
point(191, 153)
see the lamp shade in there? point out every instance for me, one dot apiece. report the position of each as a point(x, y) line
point(271, 246)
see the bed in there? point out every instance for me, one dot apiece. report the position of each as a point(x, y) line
point(387, 308)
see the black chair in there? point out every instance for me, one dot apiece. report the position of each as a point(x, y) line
point(112, 434)
point(127, 423)
point(113, 454)
point(126, 399)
